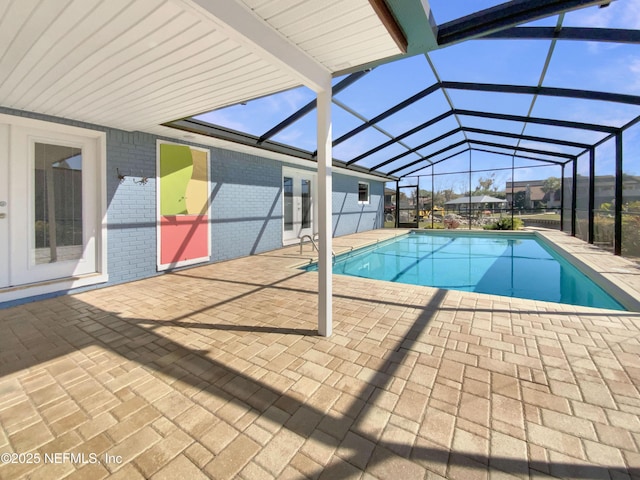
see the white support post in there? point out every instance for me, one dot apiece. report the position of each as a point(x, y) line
point(325, 283)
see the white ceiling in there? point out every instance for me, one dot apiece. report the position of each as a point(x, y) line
point(134, 64)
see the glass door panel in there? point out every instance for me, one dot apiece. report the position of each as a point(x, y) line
point(305, 195)
point(297, 204)
point(288, 203)
point(57, 203)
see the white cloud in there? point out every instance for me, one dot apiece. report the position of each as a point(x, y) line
point(634, 68)
point(619, 14)
point(222, 118)
point(288, 101)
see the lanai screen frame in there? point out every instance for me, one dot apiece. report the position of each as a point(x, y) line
point(493, 23)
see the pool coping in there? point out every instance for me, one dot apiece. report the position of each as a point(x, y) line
point(590, 260)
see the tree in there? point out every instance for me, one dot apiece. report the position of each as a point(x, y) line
point(487, 186)
point(520, 200)
point(550, 186)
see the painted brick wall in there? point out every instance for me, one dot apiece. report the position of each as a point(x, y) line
point(246, 202)
point(131, 207)
point(348, 215)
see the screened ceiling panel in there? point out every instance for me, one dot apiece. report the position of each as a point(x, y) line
point(516, 104)
point(456, 164)
point(527, 143)
point(386, 154)
point(492, 139)
point(563, 133)
point(415, 114)
point(604, 67)
point(433, 131)
point(525, 162)
point(301, 133)
point(359, 144)
point(387, 85)
point(410, 158)
point(484, 160)
point(518, 63)
point(491, 124)
point(511, 151)
point(450, 140)
point(587, 111)
point(258, 116)
point(551, 147)
point(342, 121)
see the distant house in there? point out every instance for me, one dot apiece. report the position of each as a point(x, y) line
point(604, 189)
point(389, 200)
point(535, 197)
point(475, 202)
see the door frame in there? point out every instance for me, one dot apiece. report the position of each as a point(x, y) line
point(297, 174)
point(413, 211)
point(20, 126)
point(5, 272)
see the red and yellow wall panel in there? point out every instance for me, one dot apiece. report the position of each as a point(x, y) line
point(183, 204)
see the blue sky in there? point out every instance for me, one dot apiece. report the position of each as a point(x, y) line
point(585, 65)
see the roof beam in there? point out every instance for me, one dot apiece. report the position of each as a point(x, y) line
point(364, 119)
point(545, 91)
point(525, 149)
point(475, 149)
point(542, 121)
point(401, 137)
point(344, 83)
point(489, 144)
point(498, 116)
point(387, 113)
point(434, 163)
point(613, 35)
point(442, 150)
point(506, 15)
point(484, 132)
point(565, 143)
point(419, 147)
point(240, 24)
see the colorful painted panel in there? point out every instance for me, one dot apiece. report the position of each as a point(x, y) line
point(183, 238)
point(183, 204)
point(197, 196)
point(176, 170)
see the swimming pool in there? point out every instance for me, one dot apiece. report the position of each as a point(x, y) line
point(512, 265)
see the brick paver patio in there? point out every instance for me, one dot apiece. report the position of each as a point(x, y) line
point(217, 372)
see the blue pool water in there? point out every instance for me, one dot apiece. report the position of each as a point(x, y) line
point(509, 265)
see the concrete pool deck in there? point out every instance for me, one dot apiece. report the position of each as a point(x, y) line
point(217, 372)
